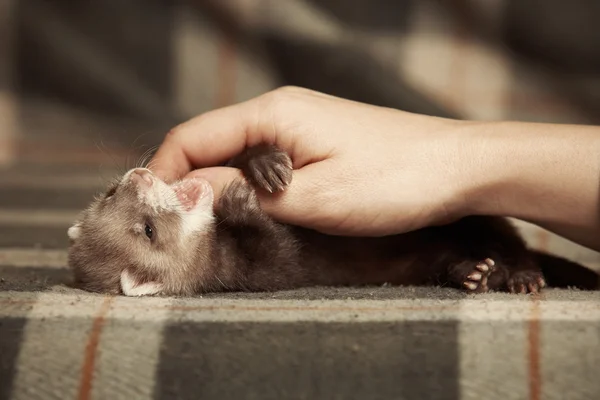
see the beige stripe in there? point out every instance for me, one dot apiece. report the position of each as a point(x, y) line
point(8, 108)
point(571, 311)
point(297, 18)
point(582, 307)
point(195, 51)
point(57, 344)
point(33, 258)
point(50, 357)
point(301, 19)
point(586, 308)
point(557, 245)
point(27, 181)
point(569, 355)
point(533, 354)
point(486, 332)
point(38, 217)
point(222, 309)
point(86, 382)
point(67, 305)
point(132, 376)
point(77, 304)
point(424, 56)
point(226, 71)
point(8, 125)
point(494, 340)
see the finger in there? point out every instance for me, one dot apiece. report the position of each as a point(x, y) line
point(218, 177)
point(299, 204)
point(207, 140)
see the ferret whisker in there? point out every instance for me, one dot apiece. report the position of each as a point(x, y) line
point(222, 221)
point(151, 164)
point(221, 282)
point(133, 148)
point(149, 154)
point(141, 160)
point(138, 138)
point(105, 151)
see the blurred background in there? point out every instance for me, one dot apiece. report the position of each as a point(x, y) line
point(86, 87)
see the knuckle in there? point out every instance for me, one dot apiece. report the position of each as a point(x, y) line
point(288, 89)
point(284, 93)
point(175, 133)
point(274, 97)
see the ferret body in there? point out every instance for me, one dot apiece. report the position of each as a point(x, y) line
point(145, 237)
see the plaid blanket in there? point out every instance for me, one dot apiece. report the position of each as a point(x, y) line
point(317, 344)
point(85, 90)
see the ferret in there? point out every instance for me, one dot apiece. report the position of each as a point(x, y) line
point(144, 237)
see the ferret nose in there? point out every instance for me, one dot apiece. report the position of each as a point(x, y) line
point(142, 177)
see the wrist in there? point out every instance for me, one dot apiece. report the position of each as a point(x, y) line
point(488, 167)
point(531, 171)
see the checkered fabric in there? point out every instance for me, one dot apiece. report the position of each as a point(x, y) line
point(86, 89)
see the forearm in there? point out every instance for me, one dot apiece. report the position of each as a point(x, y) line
point(542, 173)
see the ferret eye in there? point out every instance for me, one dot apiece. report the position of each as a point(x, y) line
point(148, 230)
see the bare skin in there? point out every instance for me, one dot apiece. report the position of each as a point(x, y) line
point(367, 170)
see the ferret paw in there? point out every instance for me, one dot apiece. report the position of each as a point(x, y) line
point(238, 201)
point(527, 281)
point(266, 167)
point(473, 277)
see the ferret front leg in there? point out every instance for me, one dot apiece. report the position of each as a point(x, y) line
point(238, 206)
point(265, 167)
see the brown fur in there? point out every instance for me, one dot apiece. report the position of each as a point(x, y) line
point(244, 249)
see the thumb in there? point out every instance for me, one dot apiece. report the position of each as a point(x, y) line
point(218, 177)
point(293, 205)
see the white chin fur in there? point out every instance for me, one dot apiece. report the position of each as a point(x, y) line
point(131, 288)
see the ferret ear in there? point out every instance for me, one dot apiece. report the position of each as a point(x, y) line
point(74, 231)
point(132, 287)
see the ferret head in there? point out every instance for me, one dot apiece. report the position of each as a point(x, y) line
point(144, 237)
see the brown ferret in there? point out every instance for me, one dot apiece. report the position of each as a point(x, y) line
point(146, 237)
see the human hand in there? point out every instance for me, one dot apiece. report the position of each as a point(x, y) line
point(358, 169)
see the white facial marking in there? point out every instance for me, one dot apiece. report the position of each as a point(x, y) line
point(157, 197)
point(74, 232)
point(160, 196)
point(196, 220)
point(130, 287)
point(201, 216)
